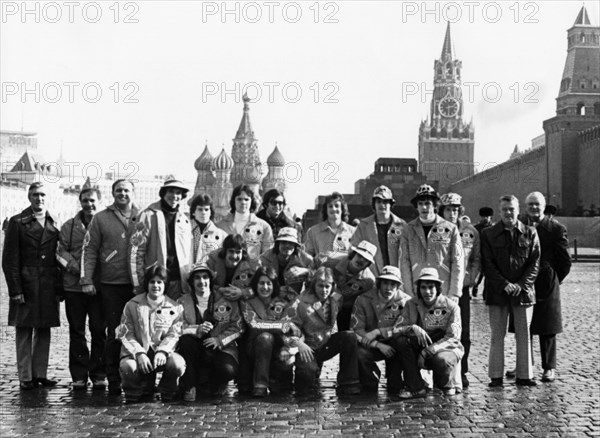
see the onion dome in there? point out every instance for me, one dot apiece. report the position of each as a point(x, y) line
point(223, 161)
point(204, 161)
point(275, 159)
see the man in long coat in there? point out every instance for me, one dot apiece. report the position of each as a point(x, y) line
point(555, 264)
point(34, 285)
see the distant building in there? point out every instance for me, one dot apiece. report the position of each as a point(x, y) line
point(218, 176)
point(13, 144)
point(446, 141)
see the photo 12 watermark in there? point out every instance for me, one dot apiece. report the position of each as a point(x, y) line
point(70, 92)
point(471, 91)
point(69, 12)
point(270, 12)
point(271, 91)
point(470, 12)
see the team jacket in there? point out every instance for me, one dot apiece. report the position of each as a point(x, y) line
point(351, 287)
point(224, 315)
point(242, 276)
point(367, 230)
point(441, 321)
point(257, 234)
point(327, 247)
point(105, 247)
point(148, 244)
point(142, 328)
point(441, 249)
point(302, 259)
point(370, 312)
point(272, 318)
point(471, 246)
point(206, 242)
point(308, 317)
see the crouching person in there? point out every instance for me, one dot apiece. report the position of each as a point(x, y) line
point(149, 330)
point(211, 326)
point(313, 317)
point(266, 320)
point(373, 317)
point(427, 336)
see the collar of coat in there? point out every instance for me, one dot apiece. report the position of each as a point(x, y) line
point(155, 206)
point(134, 209)
point(373, 220)
point(373, 295)
point(142, 300)
point(438, 220)
point(498, 228)
point(324, 226)
point(231, 216)
point(27, 216)
point(442, 301)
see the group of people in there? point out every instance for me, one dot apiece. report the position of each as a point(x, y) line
point(255, 299)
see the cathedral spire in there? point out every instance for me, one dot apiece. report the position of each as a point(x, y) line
point(447, 47)
point(582, 18)
point(245, 129)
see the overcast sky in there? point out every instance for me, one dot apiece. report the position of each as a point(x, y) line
point(171, 76)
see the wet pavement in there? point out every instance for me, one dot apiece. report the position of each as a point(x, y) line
point(570, 406)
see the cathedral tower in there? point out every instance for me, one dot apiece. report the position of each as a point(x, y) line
point(446, 142)
point(247, 168)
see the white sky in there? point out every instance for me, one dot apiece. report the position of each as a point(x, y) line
point(178, 52)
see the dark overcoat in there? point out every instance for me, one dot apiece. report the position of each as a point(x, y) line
point(555, 264)
point(30, 268)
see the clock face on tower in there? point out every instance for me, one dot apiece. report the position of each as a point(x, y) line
point(448, 106)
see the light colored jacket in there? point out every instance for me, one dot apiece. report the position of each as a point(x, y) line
point(105, 244)
point(441, 249)
point(327, 247)
point(148, 244)
point(471, 245)
point(367, 230)
point(206, 242)
point(272, 318)
point(302, 259)
point(257, 234)
point(241, 277)
point(370, 312)
point(143, 328)
point(352, 287)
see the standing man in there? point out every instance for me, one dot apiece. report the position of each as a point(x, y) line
point(33, 281)
point(431, 241)
point(511, 258)
point(383, 229)
point(555, 264)
point(163, 236)
point(80, 306)
point(105, 250)
point(451, 209)
point(273, 213)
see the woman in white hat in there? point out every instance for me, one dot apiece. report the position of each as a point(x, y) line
point(427, 336)
point(291, 263)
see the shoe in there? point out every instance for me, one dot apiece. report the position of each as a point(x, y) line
point(114, 388)
point(189, 395)
point(496, 383)
point(458, 390)
point(349, 390)
point(79, 385)
point(42, 381)
point(465, 381)
point(548, 376)
point(99, 384)
point(511, 374)
point(406, 394)
point(26, 385)
point(259, 392)
point(449, 391)
point(526, 382)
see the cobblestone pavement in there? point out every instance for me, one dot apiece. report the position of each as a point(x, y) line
point(567, 407)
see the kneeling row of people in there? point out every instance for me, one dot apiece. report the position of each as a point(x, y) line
point(207, 339)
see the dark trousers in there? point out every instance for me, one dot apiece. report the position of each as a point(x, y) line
point(33, 351)
point(114, 297)
point(442, 364)
point(264, 351)
point(345, 314)
point(342, 343)
point(369, 371)
point(548, 351)
point(464, 302)
point(84, 363)
point(204, 366)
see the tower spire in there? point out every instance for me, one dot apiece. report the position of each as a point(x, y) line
point(245, 129)
point(582, 18)
point(447, 47)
